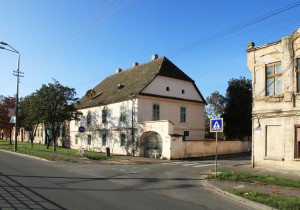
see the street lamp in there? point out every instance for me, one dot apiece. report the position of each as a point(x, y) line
point(17, 74)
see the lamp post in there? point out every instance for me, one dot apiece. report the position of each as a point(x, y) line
point(17, 74)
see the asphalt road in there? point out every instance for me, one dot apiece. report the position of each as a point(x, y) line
point(27, 183)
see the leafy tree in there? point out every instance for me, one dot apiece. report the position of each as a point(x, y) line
point(30, 115)
point(55, 103)
point(238, 110)
point(6, 105)
point(215, 105)
point(214, 109)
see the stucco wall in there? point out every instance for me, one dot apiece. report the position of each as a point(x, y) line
point(112, 129)
point(159, 87)
point(170, 110)
point(184, 149)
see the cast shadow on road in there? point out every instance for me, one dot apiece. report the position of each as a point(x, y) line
point(15, 195)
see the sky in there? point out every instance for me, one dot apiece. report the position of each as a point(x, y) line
point(81, 42)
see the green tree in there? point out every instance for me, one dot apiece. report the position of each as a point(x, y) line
point(238, 110)
point(7, 106)
point(30, 115)
point(55, 102)
point(51, 105)
point(215, 107)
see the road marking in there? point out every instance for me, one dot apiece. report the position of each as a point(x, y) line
point(190, 164)
point(203, 165)
point(122, 170)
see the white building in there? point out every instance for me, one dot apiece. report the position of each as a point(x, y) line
point(275, 69)
point(144, 110)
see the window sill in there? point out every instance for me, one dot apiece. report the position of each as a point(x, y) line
point(275, 96)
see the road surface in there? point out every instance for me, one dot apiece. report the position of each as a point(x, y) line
point(29, 183)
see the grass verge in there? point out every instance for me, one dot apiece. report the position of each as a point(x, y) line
point(275, 201)
point(255, 178)
point(41, 151)
point(272, 200)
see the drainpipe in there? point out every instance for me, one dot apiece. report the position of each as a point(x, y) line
point(252, 152)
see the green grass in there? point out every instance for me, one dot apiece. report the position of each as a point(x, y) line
point(275, 201)
point(41, 151)
point(95, 156)
point(252, 178)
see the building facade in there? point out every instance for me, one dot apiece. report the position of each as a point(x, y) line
point(275, 69)
point(140, 111)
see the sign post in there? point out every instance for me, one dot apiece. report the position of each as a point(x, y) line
point(216, 125)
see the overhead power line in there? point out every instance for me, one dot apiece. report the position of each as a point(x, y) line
point(232, 29)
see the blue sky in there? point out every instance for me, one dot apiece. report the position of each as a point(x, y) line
point(81, 42)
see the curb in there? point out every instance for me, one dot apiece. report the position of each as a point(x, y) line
point(25, 155)
point(233, 197)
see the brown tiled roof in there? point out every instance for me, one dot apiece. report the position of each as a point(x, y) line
point(128, 84)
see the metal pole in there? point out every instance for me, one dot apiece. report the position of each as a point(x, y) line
point(17, 95)
point(132, 129)
point(17, 102)
point(216, 159)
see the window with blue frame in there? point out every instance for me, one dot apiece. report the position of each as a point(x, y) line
point(122, 114)
point(182, 114)
point(122, 139)
point(104, 140)
point(155, 112)
point(104, 115)
point(89, 139)
point(89, 118)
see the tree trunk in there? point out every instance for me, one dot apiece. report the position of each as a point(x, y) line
point(31, 142)
point(54, 144)
point(10, 136)
point(48, 143)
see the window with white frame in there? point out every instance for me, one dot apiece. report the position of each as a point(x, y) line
point(273, 79)
point(182, 114)
point(155, 112)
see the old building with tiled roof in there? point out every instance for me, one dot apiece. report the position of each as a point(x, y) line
point(142, 111)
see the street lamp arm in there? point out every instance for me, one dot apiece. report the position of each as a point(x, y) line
point(3, 48)
point(13, 49)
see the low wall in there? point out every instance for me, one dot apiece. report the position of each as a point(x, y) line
point(184, 149)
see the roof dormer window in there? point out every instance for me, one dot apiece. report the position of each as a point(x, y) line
point(182, 91)
point(167, 89)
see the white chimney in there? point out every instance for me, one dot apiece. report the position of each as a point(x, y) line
point(118, 70)
point(135, 64)
point(154, 56)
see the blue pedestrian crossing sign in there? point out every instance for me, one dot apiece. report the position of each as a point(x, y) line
point(216, 125)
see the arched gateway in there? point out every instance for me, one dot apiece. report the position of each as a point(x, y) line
point(152, 144)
